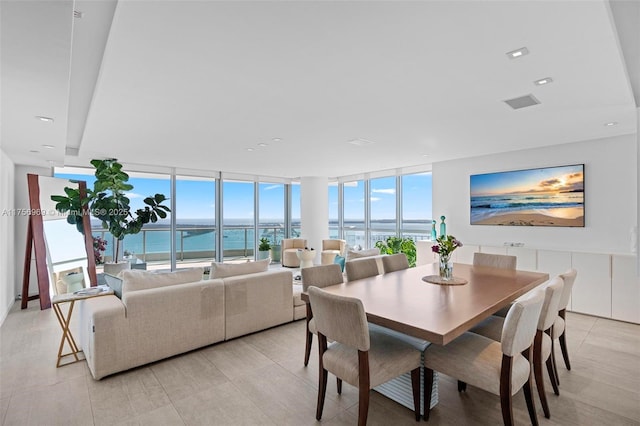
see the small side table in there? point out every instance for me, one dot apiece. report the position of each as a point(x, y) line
point(71, 298)
point(306, 257)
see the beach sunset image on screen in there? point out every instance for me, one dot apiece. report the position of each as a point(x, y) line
point(549, 196)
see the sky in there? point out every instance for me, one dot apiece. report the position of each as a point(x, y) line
point(196, 197)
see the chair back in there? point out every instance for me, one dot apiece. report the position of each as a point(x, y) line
point(501, 261)
point(361, 268)
point(321, 276)
point(289, 243)
point(334, 245)
point(521, 323)
point(549, 311)
point(339, 318)
point(569, 278)
point(395, 262)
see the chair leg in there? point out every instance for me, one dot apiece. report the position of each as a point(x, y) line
point(415, 386)
point(563, 347)
point(462, 386)
point(537, 370)
point(428, 390)
point(528, 387)
point(363, 387)
point(552, 376)
point(322, 387)
point(307, 348)
point(505, 390)
point(339, 385)
point(554, 362)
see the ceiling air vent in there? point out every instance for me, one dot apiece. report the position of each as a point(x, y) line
point(72, 152)
point(522, 102)
point(78, 14)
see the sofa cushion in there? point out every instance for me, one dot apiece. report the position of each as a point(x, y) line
point(136, 279)
point(352, 254)
point(224, 270)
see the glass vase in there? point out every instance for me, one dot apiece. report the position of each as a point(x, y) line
point(446, 267)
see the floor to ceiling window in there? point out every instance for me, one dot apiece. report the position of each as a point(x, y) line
point(382, 201)
point(271, 212)
point(416, 206)
point(195, 220)
point(354, 213)
point(295, 210)
point(238, 240)
point(334, 208)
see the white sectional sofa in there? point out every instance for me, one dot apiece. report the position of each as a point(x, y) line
point(165, 314)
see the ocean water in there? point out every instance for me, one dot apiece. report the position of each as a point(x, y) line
point(483, 207)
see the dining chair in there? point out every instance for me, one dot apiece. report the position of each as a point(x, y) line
point(502, 368)
point(317, 276)
point(492, 328)
point(361, 357)
point(560, 327)
point(361, 268)
point(395, 262)
point(501, 261)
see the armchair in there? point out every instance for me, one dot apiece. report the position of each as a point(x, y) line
point(290, 248)
point(331, 248)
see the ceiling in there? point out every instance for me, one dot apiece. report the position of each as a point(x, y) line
point(196, 84)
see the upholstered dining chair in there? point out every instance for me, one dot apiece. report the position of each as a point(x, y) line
point(560, 327)
point(395, 262)
point(289, 251)
point(501, 368)
point(501, 261)
point(361, 268)
point(360, 357)
point(492, 328)
point(317, 276)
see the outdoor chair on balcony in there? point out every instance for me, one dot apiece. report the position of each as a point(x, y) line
point(290, 247)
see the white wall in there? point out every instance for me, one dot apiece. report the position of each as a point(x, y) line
point(611, 188)
point(7, 254)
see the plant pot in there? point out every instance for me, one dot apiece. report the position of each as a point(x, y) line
point(275, 253)
point(263, 254)
point(115, 268)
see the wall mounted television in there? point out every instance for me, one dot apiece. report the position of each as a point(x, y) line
point(546, 196)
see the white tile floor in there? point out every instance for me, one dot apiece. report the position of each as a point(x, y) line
point(260, 379)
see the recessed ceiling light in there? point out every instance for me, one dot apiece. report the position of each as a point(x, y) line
point(46, 119)
point(35, 151)
point(48, 146)
point(262, 144)
point(249, 149)
point(611, 123)
point(425, 155)
point(518, 53)
point(276, 139)
point(543, 81)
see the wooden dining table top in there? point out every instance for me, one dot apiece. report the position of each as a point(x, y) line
point(402, 301)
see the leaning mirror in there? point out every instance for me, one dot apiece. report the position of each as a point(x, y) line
point(64, 256)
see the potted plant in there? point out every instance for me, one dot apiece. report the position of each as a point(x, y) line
point(108, 202)
point(264, 248)
point(395, 245)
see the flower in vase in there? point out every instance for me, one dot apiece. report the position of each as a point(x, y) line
point(446, 245)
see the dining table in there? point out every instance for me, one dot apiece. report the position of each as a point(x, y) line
point(407, 302)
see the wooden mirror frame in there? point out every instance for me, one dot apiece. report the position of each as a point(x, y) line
point(36, 241)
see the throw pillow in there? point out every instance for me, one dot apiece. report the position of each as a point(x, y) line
point(136, 279)
point(340, 261)
point(351, 254)
point(224, 270)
